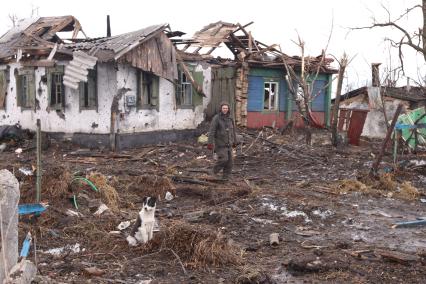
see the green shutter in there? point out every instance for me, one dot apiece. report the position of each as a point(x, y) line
point(139, 88)
point(81, 95)
point(49, 85)
point(155, 91)
point(3, 89)
point(31, 90)
point(197, 98)
point(93, 88)
point(19, 94)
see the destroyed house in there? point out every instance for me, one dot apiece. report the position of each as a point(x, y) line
point(381, 103)
point(254, 80)
point(119, 91)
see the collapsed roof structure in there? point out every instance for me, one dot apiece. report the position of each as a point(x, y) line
point(244, 47)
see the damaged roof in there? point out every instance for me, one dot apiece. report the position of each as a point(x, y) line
point(36, 34)
point(411, 94)
point(109, 48)
point(36, 42)
point(244, 47)
point(214, 34)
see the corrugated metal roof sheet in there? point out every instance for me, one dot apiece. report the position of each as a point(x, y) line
point(117, 43)
point(76, 71)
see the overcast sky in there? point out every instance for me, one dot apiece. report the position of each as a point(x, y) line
point(274, 22)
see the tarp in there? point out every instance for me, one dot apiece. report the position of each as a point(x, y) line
point(409, 123)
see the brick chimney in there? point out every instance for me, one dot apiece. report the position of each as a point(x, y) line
point(375, 76)
point(108, 27)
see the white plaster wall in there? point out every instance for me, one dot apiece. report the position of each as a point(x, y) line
point(169, 116)
point(75, 121)
point(110, 80)
point(375, 126)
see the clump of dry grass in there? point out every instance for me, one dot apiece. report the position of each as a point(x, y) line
point(108, 193)
point(200, 247)
point(384, 184)
point(385, 181)
point(55, 183)
point(348, 185)
point(250, 274)
point(408, 191)
point(151, 185)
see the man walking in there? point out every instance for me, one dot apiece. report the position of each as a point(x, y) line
point(222, 138)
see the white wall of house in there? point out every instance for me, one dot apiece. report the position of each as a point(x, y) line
point(375, 125)
point(169, 116)
point(130, 120)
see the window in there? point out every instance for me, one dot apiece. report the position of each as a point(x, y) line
point(56, 87)
point(270, 100)
point(57, 91)
point(184, 90)
point(89, 91)
point(3, 88)
point(25, 87)
point(147, 92)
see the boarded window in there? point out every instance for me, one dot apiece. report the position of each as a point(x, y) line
point(3, 88)
point(148, 90)
point(184, 90)
point(89, 91)
point(56, 87)
point(25, 87)
point(271, 94)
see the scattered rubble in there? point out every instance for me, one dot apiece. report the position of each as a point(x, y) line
point(308, 214)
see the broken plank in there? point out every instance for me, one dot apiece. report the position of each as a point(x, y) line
point(189, 180)
point(396, 256)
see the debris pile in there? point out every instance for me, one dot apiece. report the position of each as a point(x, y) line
point(108, 193)
point(198, 246)
point(385, 184)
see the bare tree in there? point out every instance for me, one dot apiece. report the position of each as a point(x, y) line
point(14, 19)
point(301, 83)
point(343, 63)
point(415, 40)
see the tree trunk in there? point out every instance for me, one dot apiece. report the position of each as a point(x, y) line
point(343, 63)
point(424, 28)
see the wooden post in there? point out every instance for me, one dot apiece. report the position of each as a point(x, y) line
point(376, 164)
point(39, 173)
point(112, 138)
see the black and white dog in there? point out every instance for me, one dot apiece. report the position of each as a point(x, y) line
point(143, 229)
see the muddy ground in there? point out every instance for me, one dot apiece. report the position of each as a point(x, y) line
point(334, 221)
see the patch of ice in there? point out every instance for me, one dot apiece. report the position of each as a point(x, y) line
point(270, 206)
point(58, 251)
point(295, 213)
point(264, 221)
point(322, 214)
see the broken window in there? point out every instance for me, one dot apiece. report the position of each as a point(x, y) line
point(57, 90)
point(270, 100)
point(183, 90)
point(147, 92)
point(89, 91)
point(25, 87)
point(3, 88)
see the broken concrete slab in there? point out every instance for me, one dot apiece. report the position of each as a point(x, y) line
point(22, 273)
point(9, 199)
